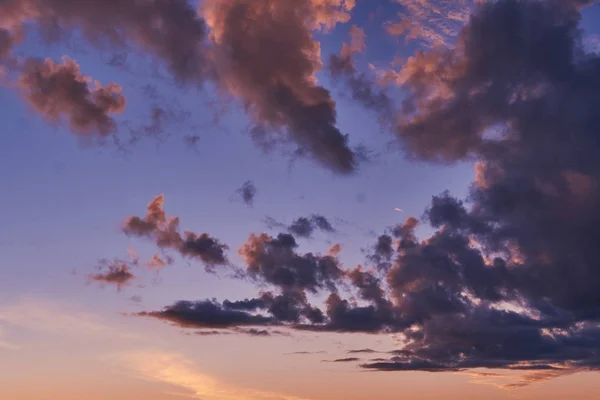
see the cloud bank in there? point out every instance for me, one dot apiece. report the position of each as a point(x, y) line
point(261, 53)
point(510, 278)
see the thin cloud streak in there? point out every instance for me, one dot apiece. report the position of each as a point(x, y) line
point(177, 370)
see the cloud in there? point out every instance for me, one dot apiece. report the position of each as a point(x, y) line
point(170, 31)
point(304, 227)
point(60, 91)
point(176, 370)
point(343, 360)
point(274, 260)
point(248, 192)
point(262, 53)
point(206, 314)
point(431, 22)
point(165, 233)
point(157, 262)
point(508, 280)
point(116, 273)
point(47, 316)
point(265, 55)
point(331, 12)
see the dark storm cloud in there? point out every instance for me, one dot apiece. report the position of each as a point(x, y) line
point(343, 360)
point(302, 226)
point(61, 91)
point(165, 232)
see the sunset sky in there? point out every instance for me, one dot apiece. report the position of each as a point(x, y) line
point(299, 199)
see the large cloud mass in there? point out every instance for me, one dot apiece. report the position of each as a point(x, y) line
point(260, 52)
point(510, 278)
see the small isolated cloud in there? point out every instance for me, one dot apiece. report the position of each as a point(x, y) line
point(362, 351)
point(305, 353)
point(116, 273)
point(61, 91)
point(274, 260)
point(343, 360)
point(263, 54)
point(136, 299)
point(247, 192)
point(158, 262)
point(165, 233)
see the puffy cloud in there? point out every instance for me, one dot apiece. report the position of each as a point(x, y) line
point(362, 351)
point(165, 233)
point(274, 260)
point(266, 56)
point(206, 314)
point(331, 12)
point(171, 31)
point(344, 360)
point(262, 53)
point(60, 91)
point(304, 227)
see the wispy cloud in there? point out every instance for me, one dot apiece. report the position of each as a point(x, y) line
point(177, 370)
point(7, 345)
point(43, 315)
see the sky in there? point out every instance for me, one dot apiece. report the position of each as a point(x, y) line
point(299, 199)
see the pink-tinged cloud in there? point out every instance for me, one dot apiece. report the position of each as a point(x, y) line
point(60, 91)
point(116, 273)
point(171, 31)
point(265, 55)
point(166, 234)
